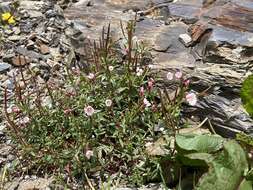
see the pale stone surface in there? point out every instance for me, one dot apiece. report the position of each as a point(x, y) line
point(185, 39)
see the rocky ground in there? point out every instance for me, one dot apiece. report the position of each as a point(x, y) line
point(210, 40)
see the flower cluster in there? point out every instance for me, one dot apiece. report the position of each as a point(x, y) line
point(178, 75)
point(8, 17)
point(13, 109)
point(190, 97)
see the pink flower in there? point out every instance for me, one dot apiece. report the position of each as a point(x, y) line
point(76, 71)
point(108, 103)
point(111, 68)
point(146, 102)
point(13, 109)
point(191, 98)
point(67, 111)
point(178, 74)
point(149, 144)
point(170, 76)
point(150, 83)
point(125, 51)
point(142, 91)
point(89, 154)
point(9, 110)
point(91, 76)
point(154, 108)
point(70, 92)
point(186, 82)
point(24, 121)
point(139, 71)
point(89, 111)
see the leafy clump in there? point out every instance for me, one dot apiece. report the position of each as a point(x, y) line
point(97, 121)
point(245, 139)
point(247, 94)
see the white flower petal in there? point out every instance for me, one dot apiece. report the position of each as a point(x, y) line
point(170, 76)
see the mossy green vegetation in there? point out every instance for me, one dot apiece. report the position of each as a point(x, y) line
point(247, 94)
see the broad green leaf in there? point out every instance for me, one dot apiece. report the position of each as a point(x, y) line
point(198, 143)
point(246, 185)
point(226, 170)
point(247, 94)
point(196, 159)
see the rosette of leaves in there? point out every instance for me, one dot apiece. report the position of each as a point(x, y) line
point(247, 94)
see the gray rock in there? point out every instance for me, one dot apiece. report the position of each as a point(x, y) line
point(8, 32)
point(8, 56)
point(146, 187)
point(15, 38)
point(4, 67)
point(186, 12)
point(30, 54)
point(16, 30)
point(9, 84)
point(5, 150)
point(227, 116)
point(224, 33)
point(2, 127)
point(40, 183)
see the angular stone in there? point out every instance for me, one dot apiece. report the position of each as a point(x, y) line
point(15, 38)
point(32, 5)
point(20, 60)
point(231, 15)
point(31, 54)
point(186, 12)
point(91, 19)
point(185, 39)
point(26, 184)
point(176, 55)
point(7, 57)
point(225, 33)
point(16, 30)
point(44, 49)
point(8, 31)
point(4, 67)
point(5, 149)
point(226, 116)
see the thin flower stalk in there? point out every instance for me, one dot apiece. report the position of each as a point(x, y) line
point(11, 124)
